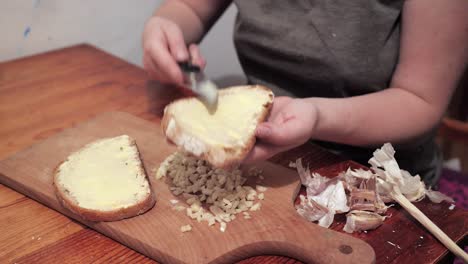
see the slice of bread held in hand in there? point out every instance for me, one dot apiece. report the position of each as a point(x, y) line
point(104, 181)
point(225, 136)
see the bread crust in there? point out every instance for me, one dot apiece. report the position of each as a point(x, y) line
point(104, 216)
point(233, 156)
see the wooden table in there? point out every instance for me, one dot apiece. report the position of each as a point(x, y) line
point(43, 94)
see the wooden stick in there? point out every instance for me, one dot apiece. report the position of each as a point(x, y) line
point(433, 228)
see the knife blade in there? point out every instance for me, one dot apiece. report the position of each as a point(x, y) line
point(205, 89)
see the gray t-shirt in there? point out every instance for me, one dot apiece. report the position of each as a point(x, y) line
point(328, 48)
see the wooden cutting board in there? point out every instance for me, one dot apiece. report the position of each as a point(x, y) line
point(275, 229)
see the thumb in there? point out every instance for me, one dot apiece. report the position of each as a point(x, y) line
point(272, 133)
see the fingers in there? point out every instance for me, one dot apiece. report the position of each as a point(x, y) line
point(267, 131)
point(279, 103)
point(175, 42)
point(164, 45)
point(272, 139)
point(279, 131)
point(152, 71)
point(290, 124)
point(196, 56)
point(261, 152)
point(148, 65)
point(165, 64)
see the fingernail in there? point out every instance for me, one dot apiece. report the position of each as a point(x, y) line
point(181, 56)
point(202, 63)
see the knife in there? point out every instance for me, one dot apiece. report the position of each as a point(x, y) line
point(205, 89)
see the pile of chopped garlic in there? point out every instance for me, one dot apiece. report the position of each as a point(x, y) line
point(213, 194)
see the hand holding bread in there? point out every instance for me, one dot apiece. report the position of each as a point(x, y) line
point(290, 124)
point(223, 137)
point(249, 125)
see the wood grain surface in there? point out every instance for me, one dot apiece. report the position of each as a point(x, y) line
point(275, 229)
point(43, 94)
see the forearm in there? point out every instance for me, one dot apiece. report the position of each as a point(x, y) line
point(194, 19)
point(432, 59)
point(392, 115)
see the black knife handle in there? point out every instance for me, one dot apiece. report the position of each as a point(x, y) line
point(188, 67)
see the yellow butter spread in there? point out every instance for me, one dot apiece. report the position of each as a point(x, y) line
point(105, 175)
point(230, 124)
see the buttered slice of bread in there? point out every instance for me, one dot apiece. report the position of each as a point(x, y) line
point(104, 181)
point(225, 136)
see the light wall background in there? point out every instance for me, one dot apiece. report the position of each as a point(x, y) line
point(33, 26)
